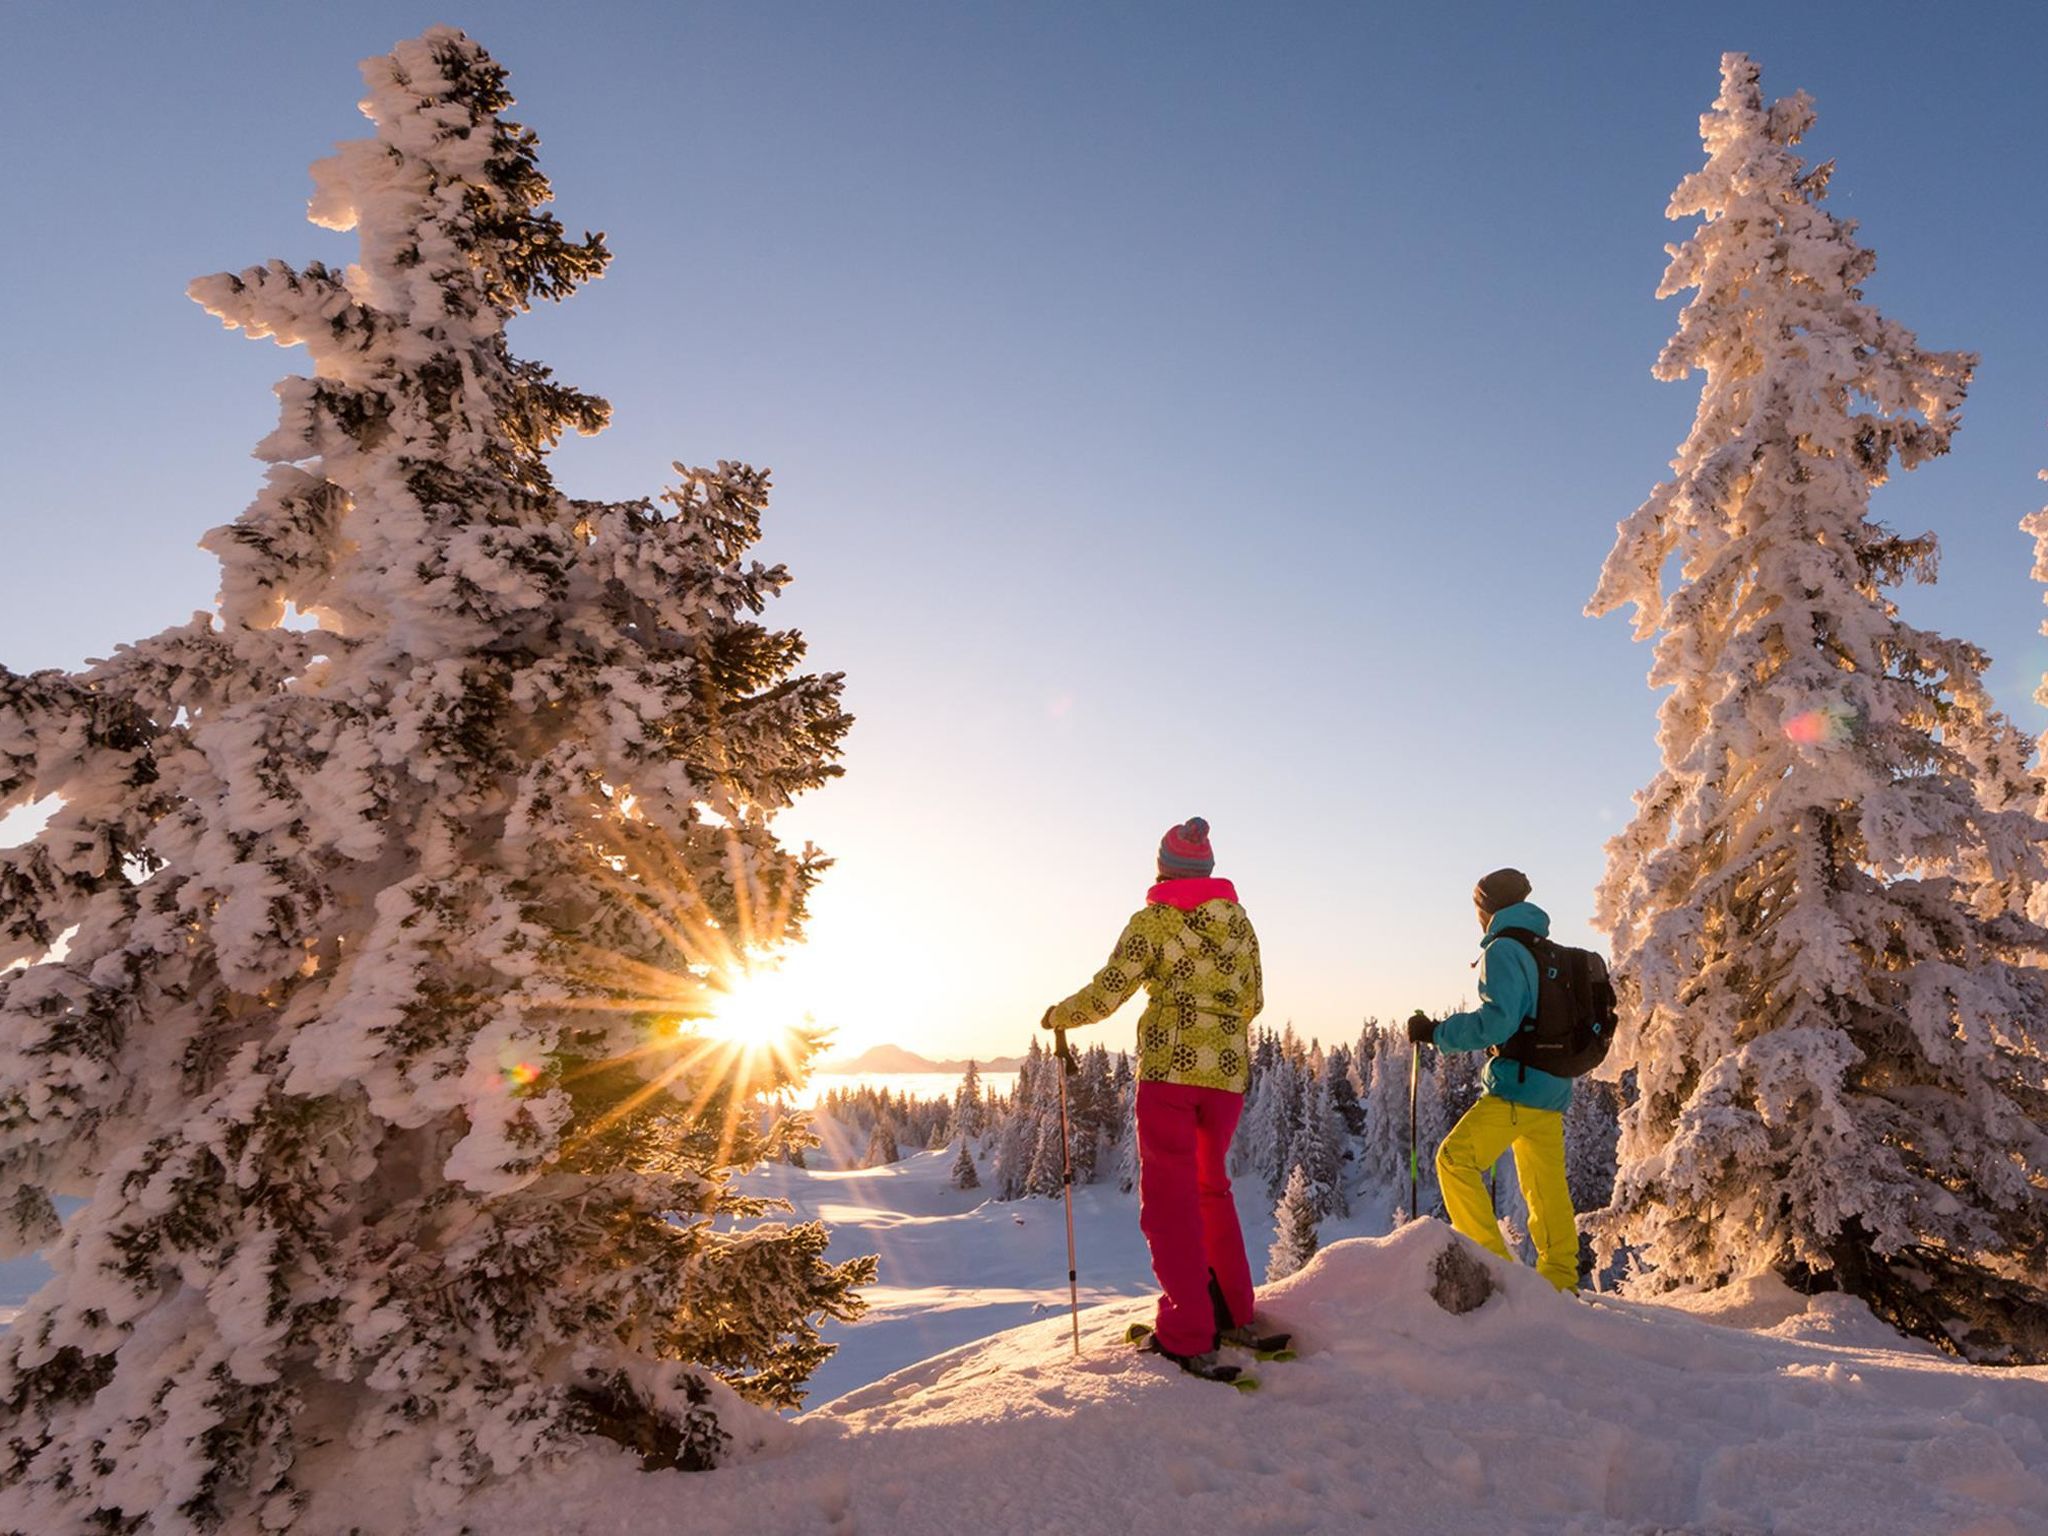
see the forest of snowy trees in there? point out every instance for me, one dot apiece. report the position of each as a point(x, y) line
point(1324, 1131)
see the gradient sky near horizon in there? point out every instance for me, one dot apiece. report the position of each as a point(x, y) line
point(1174, 408)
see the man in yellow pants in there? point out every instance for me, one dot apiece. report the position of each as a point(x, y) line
point(1522, 1107)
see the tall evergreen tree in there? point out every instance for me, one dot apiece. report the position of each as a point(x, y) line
point(970, 1109)
point(1321, 1143)
point(1296, 1221)
point(1440, 1100)
point(964, 1176)
point(1016, 1145)
point(1840, 1051)
point(363, 1047)
point(1591, 1129)
point(882, 1149)
point(1383, 1150)
point(1127, 1142)
point(1343, 1089)
point(1047, 1174)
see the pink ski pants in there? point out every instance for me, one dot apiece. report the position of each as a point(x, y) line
point(1186, 1212)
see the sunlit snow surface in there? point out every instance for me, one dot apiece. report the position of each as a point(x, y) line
point(1753, 1412)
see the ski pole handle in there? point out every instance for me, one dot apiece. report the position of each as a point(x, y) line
point(1064, 1051)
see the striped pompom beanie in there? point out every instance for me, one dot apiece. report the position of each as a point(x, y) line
point(1184, 852)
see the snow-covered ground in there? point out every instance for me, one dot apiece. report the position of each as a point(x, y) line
point(957, 1265)
point(1761, 1413)
point(1755, 1412)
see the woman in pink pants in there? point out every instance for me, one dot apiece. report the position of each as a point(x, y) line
point(1192, 950)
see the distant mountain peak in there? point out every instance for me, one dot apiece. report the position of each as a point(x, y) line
point(880, 1059)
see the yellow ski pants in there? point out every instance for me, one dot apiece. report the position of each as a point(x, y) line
point(1475, 1144)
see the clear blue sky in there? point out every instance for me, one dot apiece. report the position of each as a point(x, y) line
point(1174, 408)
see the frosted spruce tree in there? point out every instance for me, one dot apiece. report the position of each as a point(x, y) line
point(359, 960)
point(963, 1175)
point(1296, 1222)
point(882, 1148)
point(1383, 1150)
point(1838, 1040)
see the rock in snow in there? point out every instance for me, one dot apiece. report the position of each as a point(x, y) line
point(1751, 1412)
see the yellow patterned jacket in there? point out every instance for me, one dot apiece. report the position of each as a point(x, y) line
point(1192, 949)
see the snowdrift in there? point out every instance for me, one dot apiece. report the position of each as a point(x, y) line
point(1754, 1411)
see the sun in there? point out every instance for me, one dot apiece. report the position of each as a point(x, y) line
point(763, 1009)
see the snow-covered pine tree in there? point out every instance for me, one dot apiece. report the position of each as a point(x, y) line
point(882, 1149)
point(1295, 1225)
point(1591, 1129)
point(1321, 1143)
point(970, 1110)
point(1383, 1150)
point(1098, 1093)
point(1047, 1174)
point(1016, 1144)
point(1266, 1132)
point(964, 1176)
point(1840, 1058)
point(1033, 1086)
point(362, 1048)
point(1127, 1141)
point(1458, 1077)
point(1505, 1181)
point(1338, 1073)
point(1436, 1111)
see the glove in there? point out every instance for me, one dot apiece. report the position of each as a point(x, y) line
point(1421, 1028)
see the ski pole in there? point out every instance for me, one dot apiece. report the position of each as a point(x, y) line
point(1066, 1058)
point(1414, 1163)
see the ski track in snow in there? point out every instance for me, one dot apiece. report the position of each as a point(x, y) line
point(1751, 1413)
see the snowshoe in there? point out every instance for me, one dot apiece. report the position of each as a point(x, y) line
point(1204, 1366)
point(1267, 1345)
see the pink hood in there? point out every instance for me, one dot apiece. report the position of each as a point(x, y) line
point(1190, 894)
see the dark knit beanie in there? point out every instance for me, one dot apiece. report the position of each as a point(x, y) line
point(1502, 888)
point(1185, 853)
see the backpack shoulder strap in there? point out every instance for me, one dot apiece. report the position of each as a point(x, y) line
point(1528, 939)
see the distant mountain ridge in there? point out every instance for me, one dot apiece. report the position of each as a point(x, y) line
point(893, 1058)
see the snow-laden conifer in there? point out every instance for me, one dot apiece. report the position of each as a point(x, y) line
point(1383, 1150)
point(1321, 1143)
point(1440, 1100)
point(1047, 1174)
point(963, 1175)
point(369, 1047)
point(1127, 1142)
point(882, 1149)
point(970, 1108)
point(1591, 1129)
point(1016, 1145)
point(1340, 1077)
point(1840, 1055)
point(1296, 1220)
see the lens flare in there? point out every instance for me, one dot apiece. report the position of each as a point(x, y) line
point(1829, 725)
point(522, 1074)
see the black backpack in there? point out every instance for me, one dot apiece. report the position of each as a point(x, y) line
point(1574, 1022)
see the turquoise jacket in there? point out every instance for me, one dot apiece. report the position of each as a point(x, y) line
point(1507, 996)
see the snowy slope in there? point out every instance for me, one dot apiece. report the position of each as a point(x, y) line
point(1537, 1414)
point(957, 1265)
